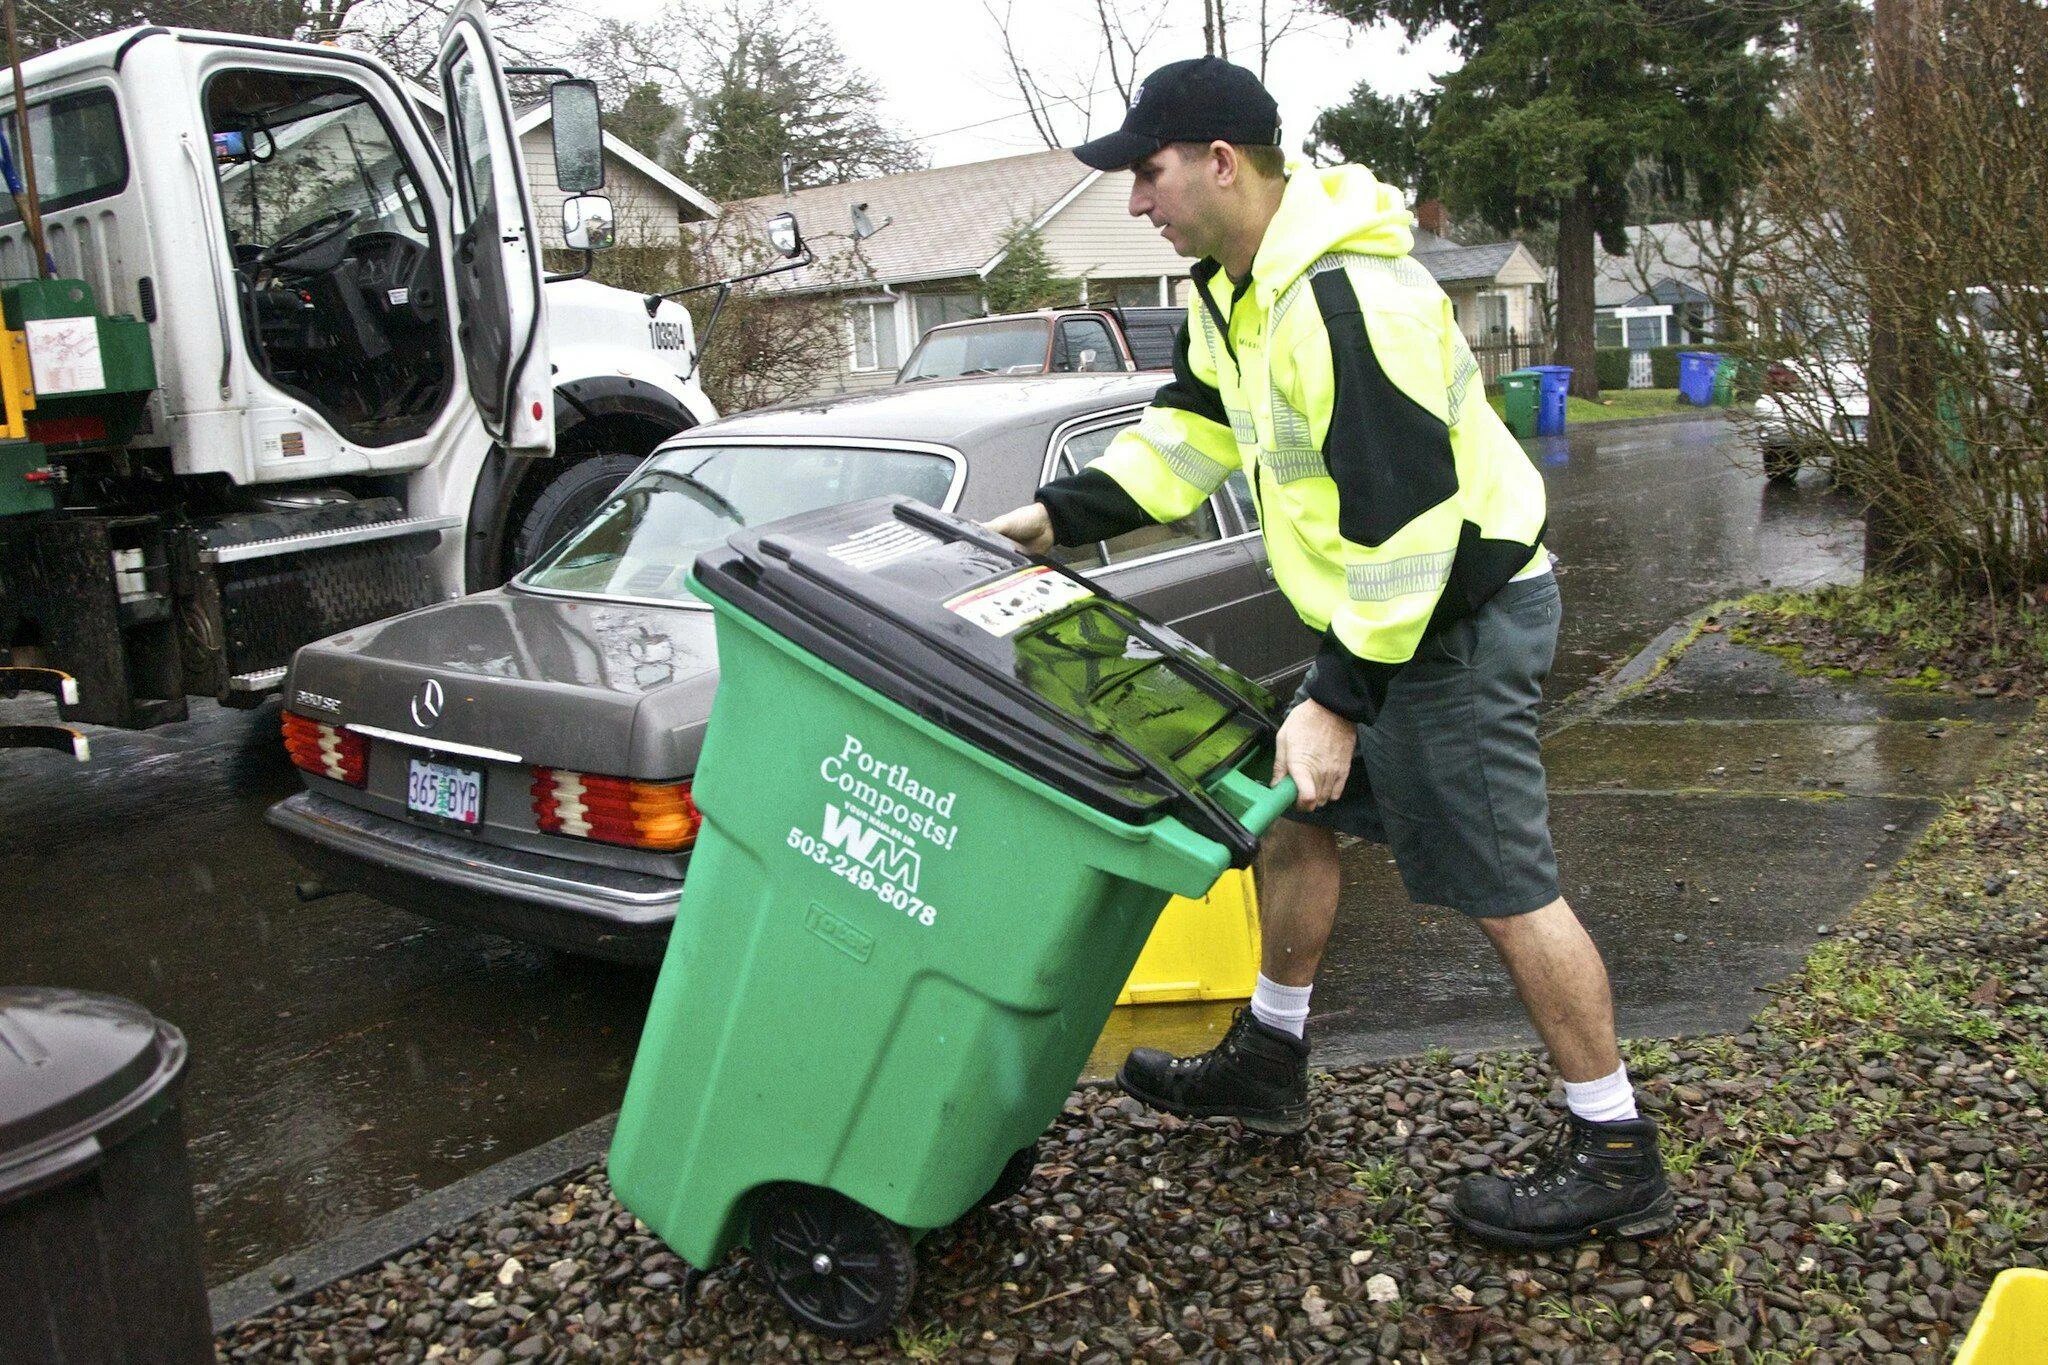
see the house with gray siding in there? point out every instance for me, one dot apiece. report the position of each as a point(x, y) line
point(1655, 293)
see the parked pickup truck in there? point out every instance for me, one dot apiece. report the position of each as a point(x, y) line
point(1050, 341)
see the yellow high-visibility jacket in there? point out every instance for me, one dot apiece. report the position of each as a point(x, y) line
point(1391, 496)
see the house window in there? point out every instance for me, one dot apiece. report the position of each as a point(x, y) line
point(930, 310)
point(1131, 293)
point(1489, 316)
point(1606, 330)
point(873, 327)
point(1643, 333)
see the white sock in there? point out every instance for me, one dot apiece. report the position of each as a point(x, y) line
point(1611, 1099)
point(1281, 1007)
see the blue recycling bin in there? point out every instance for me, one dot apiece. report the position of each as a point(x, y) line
point(1550, 402)
point(1696, 370)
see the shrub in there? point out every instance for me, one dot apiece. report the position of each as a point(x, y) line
point(1924, 276)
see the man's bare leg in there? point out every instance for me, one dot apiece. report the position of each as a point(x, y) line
point(1563, 985)
point(1606, 1177)
point(1297, 878)
point(1258, 1073)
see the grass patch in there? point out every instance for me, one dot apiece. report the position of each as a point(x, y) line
point(1618, 404)
point(1881, 1003)
point(933, 1343)
point(1912, 631)
point(1377, 1178)
point(1647, 1056)
point(1492, 1087)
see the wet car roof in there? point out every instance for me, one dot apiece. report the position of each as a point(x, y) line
point(955, 412)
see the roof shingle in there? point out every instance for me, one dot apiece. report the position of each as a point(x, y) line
point(947, 221)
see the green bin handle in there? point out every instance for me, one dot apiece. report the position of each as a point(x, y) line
point(1258, 804)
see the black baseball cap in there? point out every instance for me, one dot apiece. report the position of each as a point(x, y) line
point(1202, 99)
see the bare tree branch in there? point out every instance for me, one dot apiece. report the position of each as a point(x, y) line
point(1027, 83)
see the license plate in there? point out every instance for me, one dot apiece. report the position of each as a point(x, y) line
point(445, 792)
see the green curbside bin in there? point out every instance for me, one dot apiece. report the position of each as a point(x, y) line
point(946, 790)
point(1724, 382)
point(1523, 392)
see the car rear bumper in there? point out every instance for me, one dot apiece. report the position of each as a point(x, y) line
point(580, 907)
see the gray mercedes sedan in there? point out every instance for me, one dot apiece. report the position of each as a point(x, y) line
point(520, 760)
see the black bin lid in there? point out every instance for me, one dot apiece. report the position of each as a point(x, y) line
point(74, 1065)
point(1018, 655)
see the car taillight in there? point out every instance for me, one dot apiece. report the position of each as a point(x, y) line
point(326, 749)
point(615, 810)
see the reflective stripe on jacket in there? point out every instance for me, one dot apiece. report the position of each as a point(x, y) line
point(1391, 496)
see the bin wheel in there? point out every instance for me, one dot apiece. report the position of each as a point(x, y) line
point(838, 1267)
point(1012, 1179)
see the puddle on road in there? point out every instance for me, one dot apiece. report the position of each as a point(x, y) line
point(1897, 758)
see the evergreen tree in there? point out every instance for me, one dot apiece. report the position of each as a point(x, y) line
point(734, 87)
point(1558, 101)
point(1024, 278)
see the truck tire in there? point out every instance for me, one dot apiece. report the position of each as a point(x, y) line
point(1781, 462)
point(566, 501)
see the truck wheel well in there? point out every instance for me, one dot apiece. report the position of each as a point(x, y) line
point(610, 434)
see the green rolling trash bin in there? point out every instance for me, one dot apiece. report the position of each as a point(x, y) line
point(945, 789)
point(1724, 381)
point(1523, 392)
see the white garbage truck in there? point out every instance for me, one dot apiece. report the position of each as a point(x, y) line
point(366, 392)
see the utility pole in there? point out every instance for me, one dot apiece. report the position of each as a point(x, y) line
point(1901, 333)
point(27, 198)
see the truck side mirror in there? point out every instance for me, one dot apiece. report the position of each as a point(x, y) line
point(579, 136)
point(785, 236)
point(587, 222)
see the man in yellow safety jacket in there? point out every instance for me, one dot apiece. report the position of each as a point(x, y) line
point(1404, 523)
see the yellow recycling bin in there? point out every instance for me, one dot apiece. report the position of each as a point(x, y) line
point(1201, 950)
point(2012, 1326)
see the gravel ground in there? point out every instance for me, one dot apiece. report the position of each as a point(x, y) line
point(1851, 1173)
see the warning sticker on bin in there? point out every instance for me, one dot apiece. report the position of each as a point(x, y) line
point(1014, 601)
point(878, 545)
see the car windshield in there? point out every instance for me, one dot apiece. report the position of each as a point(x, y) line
point(994, 348)
point(643, 540)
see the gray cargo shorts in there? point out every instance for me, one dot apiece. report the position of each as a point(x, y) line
point(1449, 774)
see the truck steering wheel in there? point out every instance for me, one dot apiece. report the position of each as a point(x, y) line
point(306, 237)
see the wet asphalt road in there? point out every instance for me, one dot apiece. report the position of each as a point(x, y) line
point(347, 1058)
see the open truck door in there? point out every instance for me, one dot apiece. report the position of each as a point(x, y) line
point(496, 250)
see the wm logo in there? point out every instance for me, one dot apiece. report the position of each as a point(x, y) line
point(881, 849)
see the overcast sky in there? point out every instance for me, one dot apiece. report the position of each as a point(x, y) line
point(940, 63)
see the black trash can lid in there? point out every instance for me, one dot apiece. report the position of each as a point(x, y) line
point(1020, 656)
point(74, 1065)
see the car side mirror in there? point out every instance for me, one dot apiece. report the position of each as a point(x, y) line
point(785, 236)
point(587, 222)
point(578, 128)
